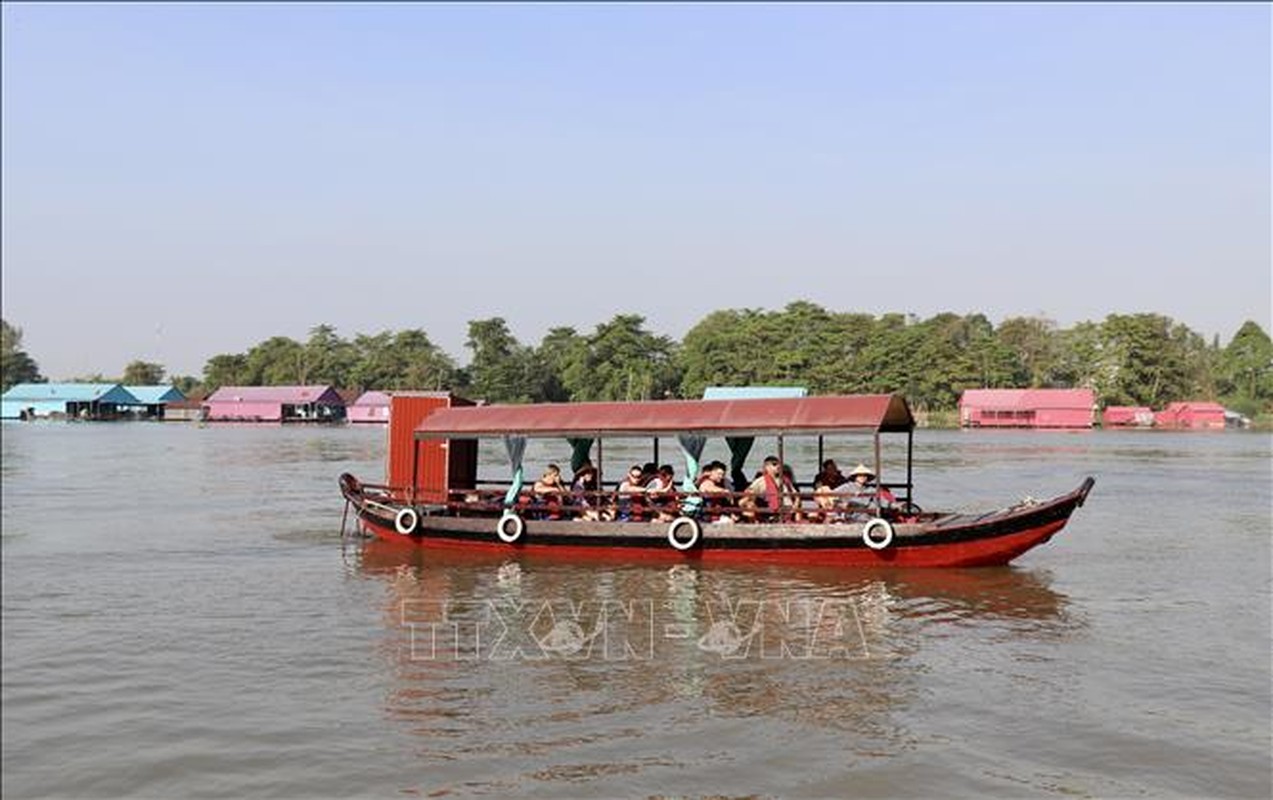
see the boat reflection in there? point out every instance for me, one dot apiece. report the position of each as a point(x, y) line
point(468, 633)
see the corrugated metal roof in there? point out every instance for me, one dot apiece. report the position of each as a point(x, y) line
point(71, 392)
point(155, 395)
point(718, 417)
point(753, 392)
point(372, 398)
point(1012, 399)
point(290, 395)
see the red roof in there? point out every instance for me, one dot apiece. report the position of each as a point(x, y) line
point(1028, 398)
point(881, 412)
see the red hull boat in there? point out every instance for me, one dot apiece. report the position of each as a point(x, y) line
point(442, 506)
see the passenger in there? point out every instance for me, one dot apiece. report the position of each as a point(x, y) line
point(661, 493)
point(551, 491)
point(583, 490)
point(765, 491)
point(825, 485)
point(791, 500)
point(649, 471)
point(861, 491)
point(715, 496)
point(631, 495)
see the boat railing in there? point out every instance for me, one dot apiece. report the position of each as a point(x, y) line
point(614, 505)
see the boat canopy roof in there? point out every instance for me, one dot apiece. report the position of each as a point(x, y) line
point(751, 417)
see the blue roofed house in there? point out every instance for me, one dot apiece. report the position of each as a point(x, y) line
point(152, 400)
point(70, 400)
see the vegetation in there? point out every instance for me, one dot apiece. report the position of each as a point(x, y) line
point(1134, 359)
point(15, 365)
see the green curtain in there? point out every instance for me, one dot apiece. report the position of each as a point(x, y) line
point(516, 447)
point(739, 447)
point(580, 451)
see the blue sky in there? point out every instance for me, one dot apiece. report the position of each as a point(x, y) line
point(186, 180)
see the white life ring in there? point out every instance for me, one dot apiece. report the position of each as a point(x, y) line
point(873, 543)
point(406, 521)
point(502, 528)
point(684, 544)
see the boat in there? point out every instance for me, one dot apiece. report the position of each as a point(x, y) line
point(442, 504)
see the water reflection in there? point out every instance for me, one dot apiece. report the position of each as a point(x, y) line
point(492, 651)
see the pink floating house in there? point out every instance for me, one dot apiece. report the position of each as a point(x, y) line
point(274, 404)
point(1191, 414)
point(1127, 417)
point(1027, 408)
point(369, 407)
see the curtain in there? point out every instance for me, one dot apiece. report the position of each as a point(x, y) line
point(516, 447)
point(693, 446)
point(580, 451)
point(739, 447)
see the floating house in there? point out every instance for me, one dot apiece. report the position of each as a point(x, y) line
point(183, 411)
point(66, 400)
point(153, 400)
point(1027, 408)
point(274, 404)
point(369, 407)
point(1191, 414)
point(1127, 417)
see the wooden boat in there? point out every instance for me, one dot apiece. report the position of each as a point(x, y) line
point(444, 505)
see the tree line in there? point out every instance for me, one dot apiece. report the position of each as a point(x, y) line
point(1127, 359)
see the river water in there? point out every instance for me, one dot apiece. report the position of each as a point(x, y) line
point(182, 617)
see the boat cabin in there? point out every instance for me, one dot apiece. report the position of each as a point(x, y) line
point(443, 445)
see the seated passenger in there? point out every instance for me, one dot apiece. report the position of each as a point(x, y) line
point(583, 491)
point(631, 494)
point(764, 492)
point(715, 496)
point(551, 491)
point(824, 486)
point(791, 500)
point(661, 493)
point(861, 491)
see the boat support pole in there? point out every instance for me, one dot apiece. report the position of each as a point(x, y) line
point(910, 450)
point(879, 474)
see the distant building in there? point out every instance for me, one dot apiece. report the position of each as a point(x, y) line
point(1027, 408)
point(274, 404)
point(753, 392)
point(1127, 417)
point(1191, 414)
point(369, 407)
point(152, 400)
point(68, 400)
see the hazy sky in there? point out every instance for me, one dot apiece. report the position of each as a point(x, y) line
point(186, 180)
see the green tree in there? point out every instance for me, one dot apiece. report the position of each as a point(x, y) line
point(16, 366)
point(143, 373)
point(226, 369)
point(559, 350)
point(1246, 365)
point(1148, 354)
point(328, 358)
point(404, 360)
point(502, 370)
point(187, 384)
point(277, 361)
point(1034, 344)
point(624, 362)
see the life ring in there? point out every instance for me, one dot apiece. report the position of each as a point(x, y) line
point(873, 543)
point(684, 544)
point(406, 521)
point(510, 533)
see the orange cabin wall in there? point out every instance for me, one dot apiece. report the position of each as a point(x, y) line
point(437, 470)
